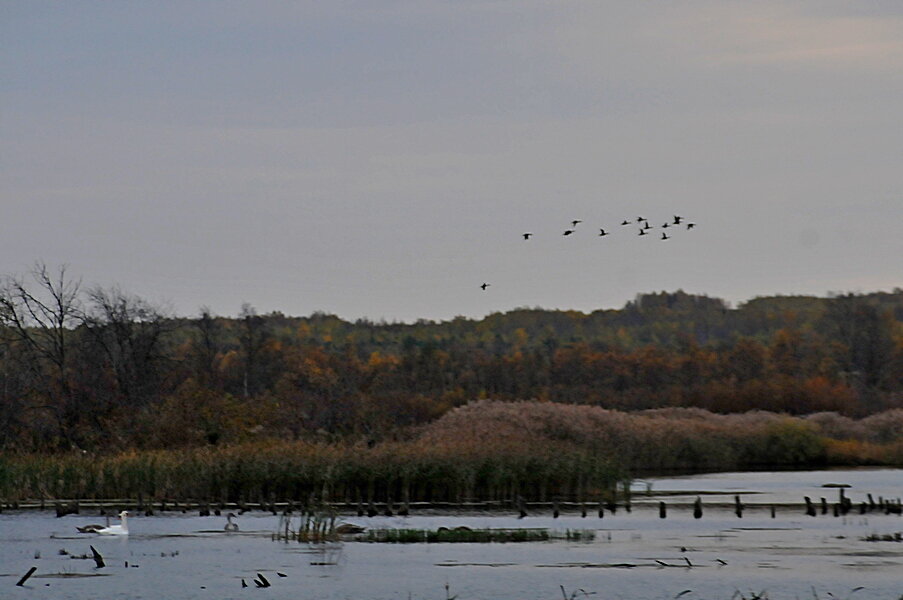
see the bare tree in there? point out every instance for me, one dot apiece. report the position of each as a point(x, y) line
point(40, 315)
point(130, 333)
point(252, 339)
point(207, 347)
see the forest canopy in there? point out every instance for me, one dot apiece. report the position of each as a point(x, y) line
point(100, 369)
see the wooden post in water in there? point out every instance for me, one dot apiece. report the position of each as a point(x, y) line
point(738, 507)
point(25, 577)
point(662, 510)
point(810, 508)
point(697, 508)
point(824, 506)
point(555, 511)
point(601, 509)
point(773, 511)
point(98, 559)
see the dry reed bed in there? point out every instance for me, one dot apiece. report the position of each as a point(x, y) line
point(482, 451)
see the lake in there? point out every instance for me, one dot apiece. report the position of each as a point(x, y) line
point(634, 556)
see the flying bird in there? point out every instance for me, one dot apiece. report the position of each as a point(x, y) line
point(665, 236)
point(647, 226)
point(602, 232)
point(666, 225)
point(691, 225)
point(484, 286)
point(677, 219)
point(642, 231)
point(625, 222)
point(568, 232)
point(527, 235)
point(576, 222)
point(640, 219)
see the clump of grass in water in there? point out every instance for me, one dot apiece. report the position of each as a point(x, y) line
point(475, 536)
point(315, 525)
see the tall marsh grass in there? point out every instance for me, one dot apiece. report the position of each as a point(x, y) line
point(484, 451)
point(391, 472)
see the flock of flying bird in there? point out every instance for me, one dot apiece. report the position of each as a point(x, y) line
point(641, 222)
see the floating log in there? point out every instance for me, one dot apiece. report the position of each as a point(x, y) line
point(25, 577)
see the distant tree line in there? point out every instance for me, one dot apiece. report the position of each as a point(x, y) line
point(101, 369)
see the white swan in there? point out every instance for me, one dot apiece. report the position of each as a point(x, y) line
point(122, 529)
point(230, 526)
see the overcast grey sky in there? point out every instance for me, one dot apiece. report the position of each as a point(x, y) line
point(382, 159)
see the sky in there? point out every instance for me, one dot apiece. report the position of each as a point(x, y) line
point(381, 160)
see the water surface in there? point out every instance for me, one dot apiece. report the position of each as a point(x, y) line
point(634, 556)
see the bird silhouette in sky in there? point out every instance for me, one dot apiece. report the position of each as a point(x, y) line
point(666, 225)
point(568, 232)
point(640, 219)
point(576, 222)
point(527, 236)
point(665, 236)
point(677, 219)
point(625, 222)
point(691, 225)
point(647, 226)
point(602, 232)
point(484, 286)
point(642, 231)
